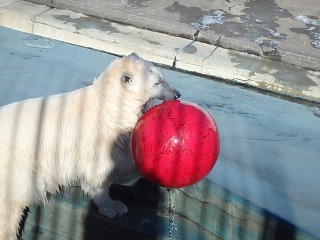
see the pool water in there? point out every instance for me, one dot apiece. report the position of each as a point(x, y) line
point(269, 147)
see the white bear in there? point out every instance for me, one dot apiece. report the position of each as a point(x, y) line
point(83, 135)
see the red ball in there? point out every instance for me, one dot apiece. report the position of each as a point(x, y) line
point(175, 144)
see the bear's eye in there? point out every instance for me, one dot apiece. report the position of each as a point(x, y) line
point(157, 83)
point(126, 78)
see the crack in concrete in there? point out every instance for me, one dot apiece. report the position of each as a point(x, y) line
point(217, 44)
point(33, 20)
point(180, 50)
point(203, 60)
point(194, 39)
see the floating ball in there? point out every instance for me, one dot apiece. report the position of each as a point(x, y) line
point(175, 144)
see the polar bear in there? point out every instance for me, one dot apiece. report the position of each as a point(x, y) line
point(83, 135)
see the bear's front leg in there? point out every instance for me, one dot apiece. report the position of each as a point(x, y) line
point(107, 206)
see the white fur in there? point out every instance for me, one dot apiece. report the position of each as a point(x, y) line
point(82, 135)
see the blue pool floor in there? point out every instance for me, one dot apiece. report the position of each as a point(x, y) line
point(269, 147)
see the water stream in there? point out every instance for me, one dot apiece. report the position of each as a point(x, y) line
point(172, 211)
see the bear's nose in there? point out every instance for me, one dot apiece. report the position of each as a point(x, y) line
point(177, 95)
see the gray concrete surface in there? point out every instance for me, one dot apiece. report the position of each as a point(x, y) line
point(233, 66)
point(281, 30)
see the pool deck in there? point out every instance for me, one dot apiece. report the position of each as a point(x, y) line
point(277, 50)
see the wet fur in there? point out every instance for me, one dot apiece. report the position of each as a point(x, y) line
point(82, 135)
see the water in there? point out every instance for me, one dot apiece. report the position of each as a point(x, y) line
point(215, 18)
point(312, 28)
point(266, 143)
point(39, 42)
point(172, 211)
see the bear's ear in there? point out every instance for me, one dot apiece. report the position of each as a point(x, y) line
point(134, 57)
point(126, 79)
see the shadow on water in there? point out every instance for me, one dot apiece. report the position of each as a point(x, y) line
point(142, 201)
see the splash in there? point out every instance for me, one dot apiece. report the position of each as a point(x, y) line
point(316, 42)
point(306, 20)
point(39, 42)
point(312, 27)
point(316, 111)
point(216, 18)
point(274, 33)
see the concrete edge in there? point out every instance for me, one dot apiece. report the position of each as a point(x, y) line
point(241, 45)
point(173, 52)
